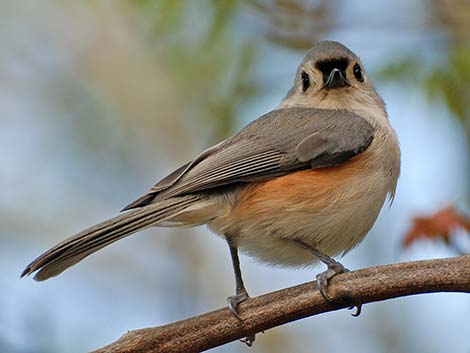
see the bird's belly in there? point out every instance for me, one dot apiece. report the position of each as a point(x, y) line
point(331, 209)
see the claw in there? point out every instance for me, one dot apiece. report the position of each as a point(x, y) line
point(234, 301)
point(334, 268)
point(248, 340)
point(323, 278)
point(358, 310)
point(321, 284)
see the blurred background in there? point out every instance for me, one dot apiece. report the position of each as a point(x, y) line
point(98, 100)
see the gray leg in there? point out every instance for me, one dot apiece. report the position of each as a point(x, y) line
point(334, 268)
point(241, 293)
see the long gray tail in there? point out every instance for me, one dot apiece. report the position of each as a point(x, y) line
point(74, 249)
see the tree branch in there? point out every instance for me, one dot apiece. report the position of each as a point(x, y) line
point(273, 309)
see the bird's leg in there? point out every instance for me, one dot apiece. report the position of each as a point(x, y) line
point(333, 268)
point(241, 293)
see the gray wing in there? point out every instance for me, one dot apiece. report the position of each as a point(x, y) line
point(278, 143)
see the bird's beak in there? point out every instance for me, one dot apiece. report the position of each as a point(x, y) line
point(336, 79)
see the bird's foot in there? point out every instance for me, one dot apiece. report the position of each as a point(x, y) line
point(233, 302)
point(334, 268)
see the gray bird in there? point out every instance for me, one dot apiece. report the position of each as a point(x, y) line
point(301, 184)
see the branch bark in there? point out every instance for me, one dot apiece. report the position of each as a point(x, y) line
point(273, 309)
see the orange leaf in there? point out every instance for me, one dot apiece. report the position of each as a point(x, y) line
point(439, 225)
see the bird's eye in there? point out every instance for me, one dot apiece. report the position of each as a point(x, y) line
point(305, 81)
point(358, 73)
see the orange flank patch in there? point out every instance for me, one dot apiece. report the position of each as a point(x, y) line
point(307, 188)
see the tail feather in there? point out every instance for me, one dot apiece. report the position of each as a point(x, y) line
point(74, 249)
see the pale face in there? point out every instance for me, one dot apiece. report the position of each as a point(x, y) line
point(332, 78)
point(327, 75)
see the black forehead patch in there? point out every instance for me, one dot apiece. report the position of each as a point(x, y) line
point(325, 66)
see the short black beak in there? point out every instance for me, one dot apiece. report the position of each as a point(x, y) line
point(336, 79)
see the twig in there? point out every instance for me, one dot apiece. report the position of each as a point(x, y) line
point(273, 309)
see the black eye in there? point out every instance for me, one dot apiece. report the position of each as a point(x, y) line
point(358, 73)
point(305, 81)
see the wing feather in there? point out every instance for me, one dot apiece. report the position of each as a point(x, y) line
point(280, 142)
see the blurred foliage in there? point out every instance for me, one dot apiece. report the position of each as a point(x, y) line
point(209, 62)
point(295, 24)
point(442, 225)
point(448, 79)
point(452, 82)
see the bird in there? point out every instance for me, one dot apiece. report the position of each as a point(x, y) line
point(302, 184)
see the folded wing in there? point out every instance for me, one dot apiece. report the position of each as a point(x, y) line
point(278, 143)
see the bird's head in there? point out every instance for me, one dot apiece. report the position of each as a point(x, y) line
point(332, 77)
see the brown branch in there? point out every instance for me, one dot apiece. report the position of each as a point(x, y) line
point(273, 309)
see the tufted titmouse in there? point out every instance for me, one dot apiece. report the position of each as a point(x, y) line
point(304, 182)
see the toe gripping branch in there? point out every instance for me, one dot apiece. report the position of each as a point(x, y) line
point(333, 268)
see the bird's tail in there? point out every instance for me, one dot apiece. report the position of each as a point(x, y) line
point(74, 249)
